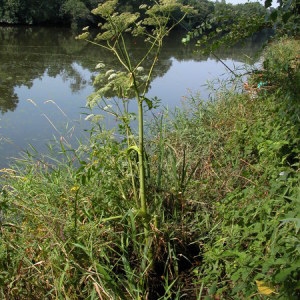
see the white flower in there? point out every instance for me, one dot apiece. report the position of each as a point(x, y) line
point(109, 72)
point(89, 117)
point(100, 65)
point(112, 76)
point(140, 69)
point(107, 107)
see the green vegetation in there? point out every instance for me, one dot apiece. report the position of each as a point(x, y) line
point(133, 81)
point(205, 207)
point(78, 12)
point(211, 15)
point(44, 12)
point(228, 24)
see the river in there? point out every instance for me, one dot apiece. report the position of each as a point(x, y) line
point(46, 76)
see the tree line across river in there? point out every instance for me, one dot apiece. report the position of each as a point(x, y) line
point(78, 12)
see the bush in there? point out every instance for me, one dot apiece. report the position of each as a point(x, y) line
point(282, 65)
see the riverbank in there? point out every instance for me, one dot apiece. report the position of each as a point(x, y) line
point(222, 183)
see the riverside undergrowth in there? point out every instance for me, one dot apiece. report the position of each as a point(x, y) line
point(222, 183)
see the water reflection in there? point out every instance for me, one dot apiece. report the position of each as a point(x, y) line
point(30, 53)
point(42, 64)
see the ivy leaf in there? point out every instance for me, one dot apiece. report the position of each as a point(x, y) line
point(263, 288)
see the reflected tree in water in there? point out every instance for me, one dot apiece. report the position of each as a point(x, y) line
point(27, 54)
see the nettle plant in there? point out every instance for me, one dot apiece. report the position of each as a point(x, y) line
point(131, 81)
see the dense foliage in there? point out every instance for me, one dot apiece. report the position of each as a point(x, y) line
point(222, 185)
point(212, 16)
point(207, 207)
point(229, 23)
point(45, 12)
point(248, 182)
point(76, 12)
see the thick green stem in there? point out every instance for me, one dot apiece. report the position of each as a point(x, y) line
point(143, 208)
point(141, 157)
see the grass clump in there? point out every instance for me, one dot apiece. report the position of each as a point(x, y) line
point(222, 185)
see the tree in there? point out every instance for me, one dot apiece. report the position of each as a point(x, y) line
point(75, 10)
point(43, 11)
point(228, 23)
point(9, 11)
point(286, 17)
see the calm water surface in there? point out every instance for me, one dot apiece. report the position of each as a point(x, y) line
point(46, 76)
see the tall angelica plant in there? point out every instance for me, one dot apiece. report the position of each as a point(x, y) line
point(131, 81)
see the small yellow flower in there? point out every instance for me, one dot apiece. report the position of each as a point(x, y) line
point(74, 188)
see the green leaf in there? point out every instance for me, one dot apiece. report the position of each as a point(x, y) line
point(111, 218)
point(149, 102)
point(274, 15)
point(235, 276)
point(133, 148)
point(84, 179)
point(285, 273)
point(268, 3)
point(286, 17)
point(295, 220)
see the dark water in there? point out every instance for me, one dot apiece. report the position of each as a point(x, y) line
point(46, 76)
